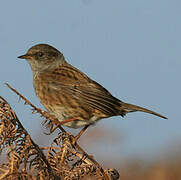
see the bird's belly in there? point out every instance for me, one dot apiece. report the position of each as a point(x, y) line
point(81, 123)
point(62, 115)
point(64, 107)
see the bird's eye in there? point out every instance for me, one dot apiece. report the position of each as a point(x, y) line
point(40, 54)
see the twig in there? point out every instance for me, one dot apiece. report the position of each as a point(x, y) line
point(54, 121)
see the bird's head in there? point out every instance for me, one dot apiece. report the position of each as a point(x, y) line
point(43, 57)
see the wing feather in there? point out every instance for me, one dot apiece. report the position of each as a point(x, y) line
point(69, 80)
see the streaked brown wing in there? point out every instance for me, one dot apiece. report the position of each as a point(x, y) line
point(70, 81)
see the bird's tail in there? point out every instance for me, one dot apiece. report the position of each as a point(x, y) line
point(132, 108)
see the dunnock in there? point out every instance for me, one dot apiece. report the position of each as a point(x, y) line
point(68, 93)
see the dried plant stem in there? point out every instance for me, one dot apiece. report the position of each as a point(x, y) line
point(59, 157)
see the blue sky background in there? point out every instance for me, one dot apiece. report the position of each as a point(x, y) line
point(133, 48)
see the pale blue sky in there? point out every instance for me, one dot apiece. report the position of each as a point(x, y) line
point(133, 48)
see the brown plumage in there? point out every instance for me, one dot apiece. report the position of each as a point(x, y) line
point(66, 92)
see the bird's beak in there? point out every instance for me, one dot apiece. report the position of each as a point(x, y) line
point(25, 56)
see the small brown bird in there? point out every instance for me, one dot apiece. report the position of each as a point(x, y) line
point(68, 93)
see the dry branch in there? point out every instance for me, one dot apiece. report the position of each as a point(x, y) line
point(26, 160)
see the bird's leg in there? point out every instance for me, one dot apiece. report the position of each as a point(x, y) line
point(61, 123)
point(79, 134)
point(67, 120)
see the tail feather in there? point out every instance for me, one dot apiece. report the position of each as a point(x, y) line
point(132, 108)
